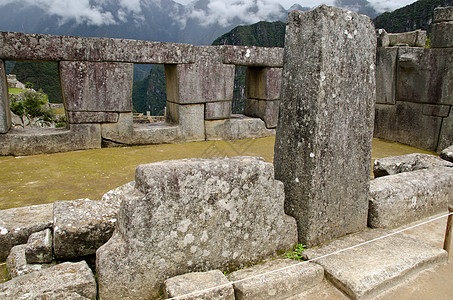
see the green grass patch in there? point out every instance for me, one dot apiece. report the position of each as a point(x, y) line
point(58, 111)
point(15, 91)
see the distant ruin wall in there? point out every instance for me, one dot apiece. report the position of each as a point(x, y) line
point(415, 86)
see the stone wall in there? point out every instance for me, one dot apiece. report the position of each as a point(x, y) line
point(96, 77)
point(415, 86)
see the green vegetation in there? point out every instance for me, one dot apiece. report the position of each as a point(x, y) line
point(296, 254)
point(31, 105)
point(418, 15)
point(149, 94)
point(15, 91)
point(42, 75)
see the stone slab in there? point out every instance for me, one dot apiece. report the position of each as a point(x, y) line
point(443, 14)
point(263, 83)
point(97, 86)
point(436, 110)
point(73, 281)
point(386, 60)
point(38, 141)
point(253, 56)
point(120, 132)
point(26, 46)
point(442, 35)
point(447, 154)
point(236, 128)
point(189, 118)
point(17, 224)
point(82, 226)
point(81, 117)
point(366, 271)
point(17, 265)
point(400, 199)
point(190, 216)
point(295, 278)
point(266, 110)
point(206, 80)
point(39, 247)
point(217, 110)
point(324, 133)
point(407, 163)
point(194, 282)
point(5, 115)
point(383, 39)
point(415, 38)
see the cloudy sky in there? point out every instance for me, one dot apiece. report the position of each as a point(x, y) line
point(220, 11)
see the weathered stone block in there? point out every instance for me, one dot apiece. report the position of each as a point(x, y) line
point(399, 199)
point(236, 128)
point(97, 86)
point(407, 163)
point(217, 110)
point(193, 215)
point(17, 265)
point(442, 35)
point(80, 117)
point(16, 225)
point(193, 282)
point(82, 226)
point(295, 278)
point(263, 83)
point(190, 119)
point(252, 56)
point(39, 247)
point(206, 80)
point(436, 110)
point(266, 110)
point(447, 154)
point(383, 39)
point(38, 141)
point(367, 271)
point(415, 38)
point(405, 123)
point(325, 127)
point(386, 75)
point(73, 281)
point(443, 14)
point(5, 115)
point(446, 132)
point(120, 132)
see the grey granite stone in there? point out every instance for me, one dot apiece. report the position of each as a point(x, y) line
point(253, 56)
point(386, 59)
point(266, 110)
point(295, 278)
point(17, 224)
point(407, 163)
point(447, 154)
point(396, 200)
point(263, 83)
point(237, 127)
point(383, 39)
point(193, 283)
point(443, 14)
point(189, 118)
point(366, 271)
point(81, 117)
point(325, 127)
point(38, 249)
point(64, 281)
point(217, 110)
point(415, 38)
point(16, 263)
point(190, 216)
point(5, 115)
point(442, 35)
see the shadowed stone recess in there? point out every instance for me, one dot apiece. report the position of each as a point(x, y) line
point(325, 126)
point(198, 281)
point(74, 281)
point(193, 215)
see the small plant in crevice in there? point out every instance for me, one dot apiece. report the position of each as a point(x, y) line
point(297, 253)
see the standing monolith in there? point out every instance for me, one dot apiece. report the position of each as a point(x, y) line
point(325, 126)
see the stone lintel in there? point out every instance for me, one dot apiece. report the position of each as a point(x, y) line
point(252, 56)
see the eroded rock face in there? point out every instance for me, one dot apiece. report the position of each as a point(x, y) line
point(39, 247)
point(193, 215)
point(17, 265)
point(447, 154)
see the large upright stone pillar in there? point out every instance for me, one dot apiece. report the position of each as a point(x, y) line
point(325, 127)
point(5, 115)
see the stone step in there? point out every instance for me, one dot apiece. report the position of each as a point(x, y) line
point(367, 271)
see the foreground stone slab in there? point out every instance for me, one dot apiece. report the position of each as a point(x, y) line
point(17, 265)
point(82, 226)
point(193, 282)
point(293, 280)
point(16, 225)
point(447, 154)
point(400, 199)
point(39, 247)
point(63, 281)
point(366, 271)
point(325, 126)
point(190, 216)
point(407, 163)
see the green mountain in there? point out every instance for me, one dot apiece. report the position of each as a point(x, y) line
point(418, 15)
point(149, 94)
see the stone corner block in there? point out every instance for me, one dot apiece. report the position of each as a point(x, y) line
point(217, 110)
point(16, 263)
point(189, 118)
point(442, 35)
point(382, 38)
point(63, 281)
point(447, 154)
point(120, 132)
point(235, 128)
point(266, 110)
point(197, 282)
point(82, 226)
point(39, 247)
point(295, 278)
point(443, 14)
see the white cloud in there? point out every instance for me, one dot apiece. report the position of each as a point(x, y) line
point(389, 5)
